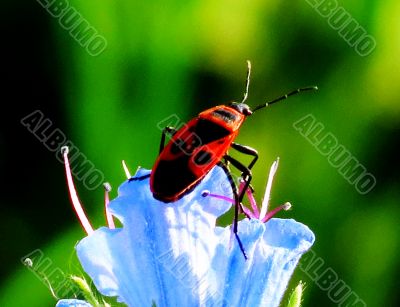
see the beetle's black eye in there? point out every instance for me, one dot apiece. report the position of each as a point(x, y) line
point(247, 111)
point(242, 108)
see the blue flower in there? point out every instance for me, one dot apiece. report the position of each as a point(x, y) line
point(174, 255)
point(164, 252)
point(72, 303)
point(273, 249)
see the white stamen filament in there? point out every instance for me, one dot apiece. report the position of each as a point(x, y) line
point(127, 173)
point(264, 206)
point(74, 197)
point(110, 220)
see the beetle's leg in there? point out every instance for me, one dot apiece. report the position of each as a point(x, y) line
point(246, 175)
point(170, 130)
point(225, 166)
point(237, 204)
point(247, 151)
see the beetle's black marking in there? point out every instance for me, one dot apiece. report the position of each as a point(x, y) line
point(202, 157)
point(202, 133)
point(185, 146)
point(225, 115)
point(208, 131)
point(172, 177)
point(176, 146)
point(193, 142)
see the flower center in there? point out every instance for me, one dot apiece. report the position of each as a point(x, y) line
point(253, 212)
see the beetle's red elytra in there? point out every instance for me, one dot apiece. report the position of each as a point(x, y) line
point(193, 151)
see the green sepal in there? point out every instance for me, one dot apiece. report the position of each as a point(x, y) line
point(295, 297)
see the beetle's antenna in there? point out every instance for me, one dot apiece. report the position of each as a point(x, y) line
point(246, 93)
point(299, 90)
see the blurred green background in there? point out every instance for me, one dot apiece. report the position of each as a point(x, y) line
point(181, 57)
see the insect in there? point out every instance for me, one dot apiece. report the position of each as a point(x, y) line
point(201, 144)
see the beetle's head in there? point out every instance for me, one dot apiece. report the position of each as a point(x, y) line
point(241, 107)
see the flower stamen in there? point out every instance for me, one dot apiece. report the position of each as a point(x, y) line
point(126, 170)
point(110, 220)
point(286, 206)
point(267, 195)
point(254, 212)
point(74, 196)
point(252, 200)
point(206, 193)
point(245, 210)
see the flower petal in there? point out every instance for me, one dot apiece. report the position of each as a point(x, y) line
point(273, 250)
point(72, 303)
point(174, 255)
point(164, 251)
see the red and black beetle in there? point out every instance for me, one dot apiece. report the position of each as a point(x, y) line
point(201, 144)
